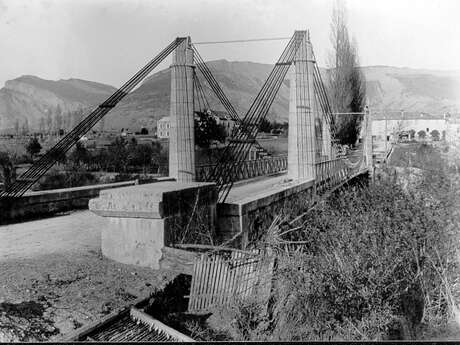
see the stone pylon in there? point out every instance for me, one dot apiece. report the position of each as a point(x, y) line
point(367, 137)
point(181, 134)
point(302, 114)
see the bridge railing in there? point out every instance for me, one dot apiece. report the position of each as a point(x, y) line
point(333, 172)
point(329, 173)
point(247, 169)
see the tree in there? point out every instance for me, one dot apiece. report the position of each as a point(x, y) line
point(435, 135)
point(25, 127)
point(118, 155)
point(346, 80)
point(7, 169)
point(265, 126)
point(144, 131)
point(79, 155)
point(49, 122)
point(16, 127)
point(41, 125)
point(33, 147)
point(57, 122)
point(159, 156)
point(141, 156)
point(421, 134)
point(207, 130)
point(412, 134)
point(66, 121)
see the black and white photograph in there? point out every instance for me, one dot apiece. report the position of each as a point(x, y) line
point(237, 171)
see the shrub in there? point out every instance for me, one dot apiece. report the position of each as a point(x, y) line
point(33, 147)
point(56, 179)
point(376, 262)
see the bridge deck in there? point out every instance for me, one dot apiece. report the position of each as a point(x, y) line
point(247, 192)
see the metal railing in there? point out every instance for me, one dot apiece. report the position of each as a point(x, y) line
point(331, 173)
point(246, 169)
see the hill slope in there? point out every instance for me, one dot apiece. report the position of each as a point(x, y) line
point(388, 88)
point(412, 89)
point(240, 81)
point(32, 98)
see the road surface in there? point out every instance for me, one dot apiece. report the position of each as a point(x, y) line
point(75, 232)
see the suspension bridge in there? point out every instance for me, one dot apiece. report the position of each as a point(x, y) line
point(228, 204)
point(312, 148)
point(314, 164)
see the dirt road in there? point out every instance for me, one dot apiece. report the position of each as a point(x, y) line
point(53, 278)
point(75, 232)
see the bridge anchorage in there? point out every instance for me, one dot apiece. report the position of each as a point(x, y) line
point(202, 206)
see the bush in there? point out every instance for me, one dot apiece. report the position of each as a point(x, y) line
point(376, 263)
point(33, 147)
point(56, 179)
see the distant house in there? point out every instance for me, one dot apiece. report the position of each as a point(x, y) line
point(222, 118)
point(163, 127)
point(391, 126)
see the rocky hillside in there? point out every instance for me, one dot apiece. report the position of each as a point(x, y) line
point(388, 88)
point(32, 98)
point(413, 89)
point(240, 81)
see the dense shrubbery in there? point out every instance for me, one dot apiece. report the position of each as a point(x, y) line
point(58, 178)
point(124, 157)
point(376, 264)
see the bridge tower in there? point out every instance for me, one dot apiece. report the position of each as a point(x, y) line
point(302, 114)
point(181, 139)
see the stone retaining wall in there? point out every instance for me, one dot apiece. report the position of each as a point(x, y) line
point(253, 216)
point(49, 202)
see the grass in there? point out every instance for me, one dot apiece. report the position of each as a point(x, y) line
point(376, 262)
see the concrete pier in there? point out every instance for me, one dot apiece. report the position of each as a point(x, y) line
point(302, 113)
point(181, 140)
point(141, 220)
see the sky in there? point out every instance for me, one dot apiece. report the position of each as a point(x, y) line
point(109, 40)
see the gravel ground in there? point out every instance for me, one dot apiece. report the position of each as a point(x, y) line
point(53, 278)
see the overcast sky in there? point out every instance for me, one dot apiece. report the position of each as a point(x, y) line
point(109, 40)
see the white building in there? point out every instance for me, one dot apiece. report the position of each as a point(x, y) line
point(387, 126)
point(222, 118)
point(163, 127)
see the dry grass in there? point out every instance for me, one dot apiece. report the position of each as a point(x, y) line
point(369, 263)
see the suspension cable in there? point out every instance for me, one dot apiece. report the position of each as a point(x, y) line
point(39, 168)
point(246, 40)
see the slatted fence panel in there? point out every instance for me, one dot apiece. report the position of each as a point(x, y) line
point(217, 278)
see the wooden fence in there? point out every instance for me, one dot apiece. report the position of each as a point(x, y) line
point(222, 276)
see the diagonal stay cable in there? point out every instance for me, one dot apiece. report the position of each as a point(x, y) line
point(237, 148)
point(215, 87)
point(37, 170)
point(50, 157)
point(256, 113)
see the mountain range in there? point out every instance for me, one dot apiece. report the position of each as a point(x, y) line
point(33, 98)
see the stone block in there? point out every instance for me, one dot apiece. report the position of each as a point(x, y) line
point(143, 219)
